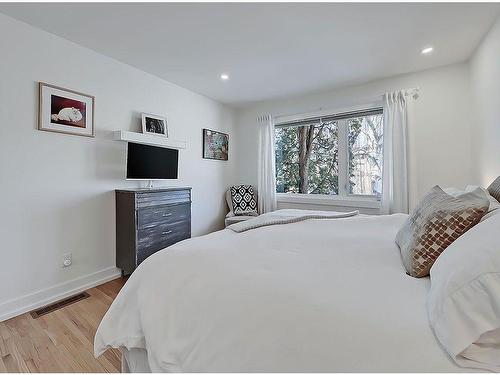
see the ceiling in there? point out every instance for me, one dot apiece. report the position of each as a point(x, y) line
point(269, 50)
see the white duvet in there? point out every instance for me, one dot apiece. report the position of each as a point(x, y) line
point(312, 296)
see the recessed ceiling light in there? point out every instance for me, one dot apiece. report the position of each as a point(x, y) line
point(427, 50)
point(224, 76)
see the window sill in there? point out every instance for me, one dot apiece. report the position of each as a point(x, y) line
point(326, 200)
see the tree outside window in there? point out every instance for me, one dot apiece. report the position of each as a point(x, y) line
point(310, 152)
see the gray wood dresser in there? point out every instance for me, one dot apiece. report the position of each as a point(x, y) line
point(149, 220)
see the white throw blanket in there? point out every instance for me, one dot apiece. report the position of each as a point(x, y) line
point(286, 217)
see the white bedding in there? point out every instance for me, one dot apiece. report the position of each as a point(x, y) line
point(312, 296)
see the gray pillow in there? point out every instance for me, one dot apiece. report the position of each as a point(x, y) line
point(437, 221)
point(494, 189)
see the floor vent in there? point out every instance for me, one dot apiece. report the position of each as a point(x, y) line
point(58, 305)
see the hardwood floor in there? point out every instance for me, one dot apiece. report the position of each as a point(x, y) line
point(60, 341)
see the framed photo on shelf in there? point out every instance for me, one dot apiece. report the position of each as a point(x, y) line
point(65, 111)
point(153, 124)
point(215, 145)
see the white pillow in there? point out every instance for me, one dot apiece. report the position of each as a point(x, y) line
point(464, 299)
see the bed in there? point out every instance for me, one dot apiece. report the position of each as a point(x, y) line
point(311, 296)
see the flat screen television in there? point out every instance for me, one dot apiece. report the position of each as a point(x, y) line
point(146, 162)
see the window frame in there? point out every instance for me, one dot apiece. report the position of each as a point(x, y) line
point(343, 198)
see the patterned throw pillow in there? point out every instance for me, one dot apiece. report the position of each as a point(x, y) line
point(243, 199)
point(437, 221)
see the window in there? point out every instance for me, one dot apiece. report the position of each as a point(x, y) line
point(331, 155)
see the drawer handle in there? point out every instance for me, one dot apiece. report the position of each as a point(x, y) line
point(166, 232)
point(166, 215)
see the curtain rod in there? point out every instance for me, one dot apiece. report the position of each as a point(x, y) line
point(414, 92)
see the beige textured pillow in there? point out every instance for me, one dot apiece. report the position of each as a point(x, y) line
point(437, 221)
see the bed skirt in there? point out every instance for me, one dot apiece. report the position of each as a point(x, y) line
point(134, 360)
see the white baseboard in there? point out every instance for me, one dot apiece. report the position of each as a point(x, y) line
point(32, 301)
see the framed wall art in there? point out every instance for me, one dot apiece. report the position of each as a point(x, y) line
point(153, 124)
point(215, 145)
point(65, 111)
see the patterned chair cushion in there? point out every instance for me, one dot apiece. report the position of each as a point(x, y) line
point(243, 200)
point(437, 221)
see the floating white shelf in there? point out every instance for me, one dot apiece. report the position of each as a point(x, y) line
point(148, 139)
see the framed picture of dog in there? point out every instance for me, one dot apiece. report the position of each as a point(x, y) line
point(65, 111)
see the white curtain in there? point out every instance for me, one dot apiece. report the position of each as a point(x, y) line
point(395, 175)
point(266, 188)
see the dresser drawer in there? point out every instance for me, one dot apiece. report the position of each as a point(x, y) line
point(163, 215)
point(152, 199)
point(154, 239)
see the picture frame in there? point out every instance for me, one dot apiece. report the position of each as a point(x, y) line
point(215, 145)
point(154, 124)
point(66, 111)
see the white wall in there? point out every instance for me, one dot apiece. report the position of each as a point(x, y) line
point(58, 190)
point(485, 81)
point(441, 139)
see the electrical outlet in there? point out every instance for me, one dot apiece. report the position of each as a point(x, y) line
point(67, 260)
